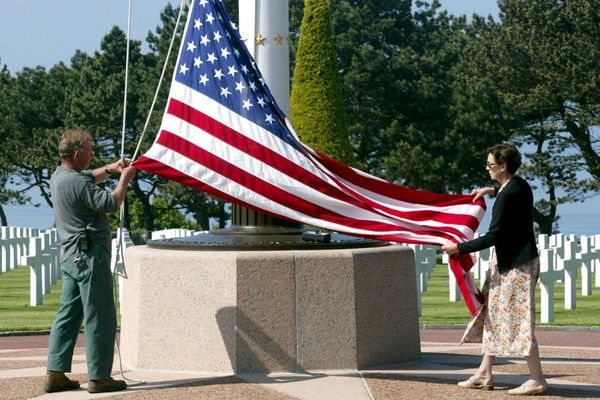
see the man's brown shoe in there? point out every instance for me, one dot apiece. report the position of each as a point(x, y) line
point(57, 381)
point(106, 385)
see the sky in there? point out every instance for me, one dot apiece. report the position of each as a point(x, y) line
point(45, 32)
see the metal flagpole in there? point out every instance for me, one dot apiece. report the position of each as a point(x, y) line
point(264, 27)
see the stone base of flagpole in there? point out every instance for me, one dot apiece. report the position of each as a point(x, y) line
point(268, 311)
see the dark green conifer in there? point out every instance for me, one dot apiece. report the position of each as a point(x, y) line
point(317, 100)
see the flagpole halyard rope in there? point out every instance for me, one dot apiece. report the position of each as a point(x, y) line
point(162, 75)
point(122, 208)
point(119, 248)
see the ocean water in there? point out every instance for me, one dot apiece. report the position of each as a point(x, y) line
point(571, 221)
point(29, 217)
point(576, 223)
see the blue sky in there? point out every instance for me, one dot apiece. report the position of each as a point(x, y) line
point(44, 32)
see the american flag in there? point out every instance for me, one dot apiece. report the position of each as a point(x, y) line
point(223, 133)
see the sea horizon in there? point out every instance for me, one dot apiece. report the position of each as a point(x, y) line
point(570, 222)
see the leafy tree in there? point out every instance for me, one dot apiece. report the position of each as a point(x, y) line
point(7, 195)
point(38, 99)
point(540, 63)
point(369, 38)
point(549, 54)
point(406, 88)
point(167, 217)
point(199, 205)
point(317, 92)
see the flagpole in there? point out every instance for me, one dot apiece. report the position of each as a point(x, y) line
point(264, 27)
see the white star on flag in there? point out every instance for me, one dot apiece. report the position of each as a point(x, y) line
point(239, 86)
point(212, 58)
point(191, 47)
point(183, 69)
point(225, 91)
point(247, 104)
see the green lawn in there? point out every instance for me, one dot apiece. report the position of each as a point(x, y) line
point(17, 315)
point(15, 312)
point(437, 309)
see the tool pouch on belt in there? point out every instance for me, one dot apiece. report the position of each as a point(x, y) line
point(83, 243)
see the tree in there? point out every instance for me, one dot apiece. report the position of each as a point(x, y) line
point(541, 63)
point(550, 55)
point(38, 106)
point(7, 195)
point(370, 37)
point(317, 92)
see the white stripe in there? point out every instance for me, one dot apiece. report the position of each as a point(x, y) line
point(191, 168)
point(246, 127)
point(399, 205)
point(270, 174)
point(215, 110)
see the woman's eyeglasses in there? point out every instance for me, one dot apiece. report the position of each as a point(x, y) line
point(490, 164)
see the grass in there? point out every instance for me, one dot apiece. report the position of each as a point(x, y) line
point(17, 315)
point(437, 309)
point(15, 312)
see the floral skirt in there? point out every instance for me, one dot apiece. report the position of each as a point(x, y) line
point(505, 324)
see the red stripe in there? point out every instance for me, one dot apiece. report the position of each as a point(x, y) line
point(272, 192)
point(158, 168)
point(402, 193)
point(460, 264)
point(260, 152)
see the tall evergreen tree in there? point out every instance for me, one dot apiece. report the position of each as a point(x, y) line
point(317, 99)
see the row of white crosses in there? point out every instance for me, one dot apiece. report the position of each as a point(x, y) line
point(172, 233)
point(561, 256)
point(36, 248)
point(425, 261)
point(14, 244)
point(44, 259)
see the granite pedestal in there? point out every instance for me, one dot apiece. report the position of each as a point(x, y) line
point(258, 311)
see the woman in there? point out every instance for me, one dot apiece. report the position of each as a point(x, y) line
point(506, 323)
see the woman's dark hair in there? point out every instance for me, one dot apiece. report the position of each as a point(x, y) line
point(506, 154)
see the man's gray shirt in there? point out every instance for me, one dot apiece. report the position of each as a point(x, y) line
point(80, 206)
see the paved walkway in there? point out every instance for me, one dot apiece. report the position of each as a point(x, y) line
point(570, 358)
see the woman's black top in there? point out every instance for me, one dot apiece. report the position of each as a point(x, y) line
point(511, 228)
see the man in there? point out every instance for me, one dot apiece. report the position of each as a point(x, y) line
point(80, 208)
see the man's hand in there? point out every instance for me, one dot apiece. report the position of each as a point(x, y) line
point(127, 173)
point(450, 248)
point(118, 166)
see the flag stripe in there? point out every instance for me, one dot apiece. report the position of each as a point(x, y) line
point(257, 185)
point(442, 221)
point(149, 164)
